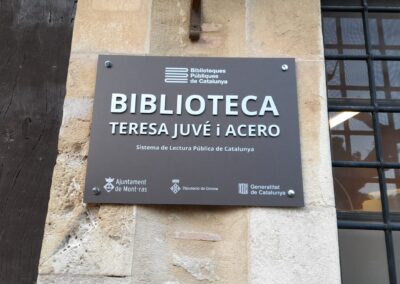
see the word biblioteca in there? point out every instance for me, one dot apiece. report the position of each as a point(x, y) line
point(193, 104)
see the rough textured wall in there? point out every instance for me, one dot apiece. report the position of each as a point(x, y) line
point(79, 239)
point(178, 244)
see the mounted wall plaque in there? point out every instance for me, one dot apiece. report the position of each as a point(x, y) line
point(201, 131)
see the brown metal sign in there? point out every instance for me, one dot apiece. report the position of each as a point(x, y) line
point(205, 131)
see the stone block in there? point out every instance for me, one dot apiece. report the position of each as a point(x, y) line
point(289, 28)
point(223, 29)
point(81, 79)
point(117, 5)
point(293, 246)
point(314, 134)
point(89, 242)
point(75, 129)
point(159, 256)
point(105, 27)
point(76, 108)
point(83, 239)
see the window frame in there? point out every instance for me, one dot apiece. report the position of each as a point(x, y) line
point(384, 221)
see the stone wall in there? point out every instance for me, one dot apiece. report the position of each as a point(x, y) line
point(188, 244)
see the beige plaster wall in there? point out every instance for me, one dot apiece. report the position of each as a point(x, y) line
point(176, 244)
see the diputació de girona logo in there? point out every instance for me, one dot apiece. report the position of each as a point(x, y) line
point(109, 186)
point(175, 188)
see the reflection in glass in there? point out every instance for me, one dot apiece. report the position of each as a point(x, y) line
point(363, 257)
point(384, 31)
point(393, 189)
point(347, 79)
point(357, 189)
point(387, 79)
point(352, 136)
point(390, 130)
point(343, 33)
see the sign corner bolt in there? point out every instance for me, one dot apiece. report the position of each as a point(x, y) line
point(291, 193)
point(108, 64)
point(96, 190)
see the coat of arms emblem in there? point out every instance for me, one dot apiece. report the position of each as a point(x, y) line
point(175, 188)
point(109, 186)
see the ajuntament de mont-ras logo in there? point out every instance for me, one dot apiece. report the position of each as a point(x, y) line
point(109, 186)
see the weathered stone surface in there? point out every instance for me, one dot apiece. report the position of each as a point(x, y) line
point(314, 134)
point(117, 5)
point(289, 28)
point(81, 79)
point(75, 129)
point(77, 108)
point(182, 259)
point(81, 279)
point(293, 246)
point(107, 27)
point(89, 241)
point(199, 236)
point(80, 239)
point(223, 28)
point(200, 268)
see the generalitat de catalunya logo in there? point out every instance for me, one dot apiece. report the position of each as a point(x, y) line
point(243, 188)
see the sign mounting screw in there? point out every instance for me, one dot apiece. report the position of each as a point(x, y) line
point(107, 64)
point(285, 67)
point(96, 190)
point(291, 193)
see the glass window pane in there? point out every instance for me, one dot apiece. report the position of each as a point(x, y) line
point(357, 189)
point(343, 33)
point(390, 129)
point(384, 31)
point(352, 136)
point(393, 189)
point(387, 79)
point(347, 79)
point(363, 257)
